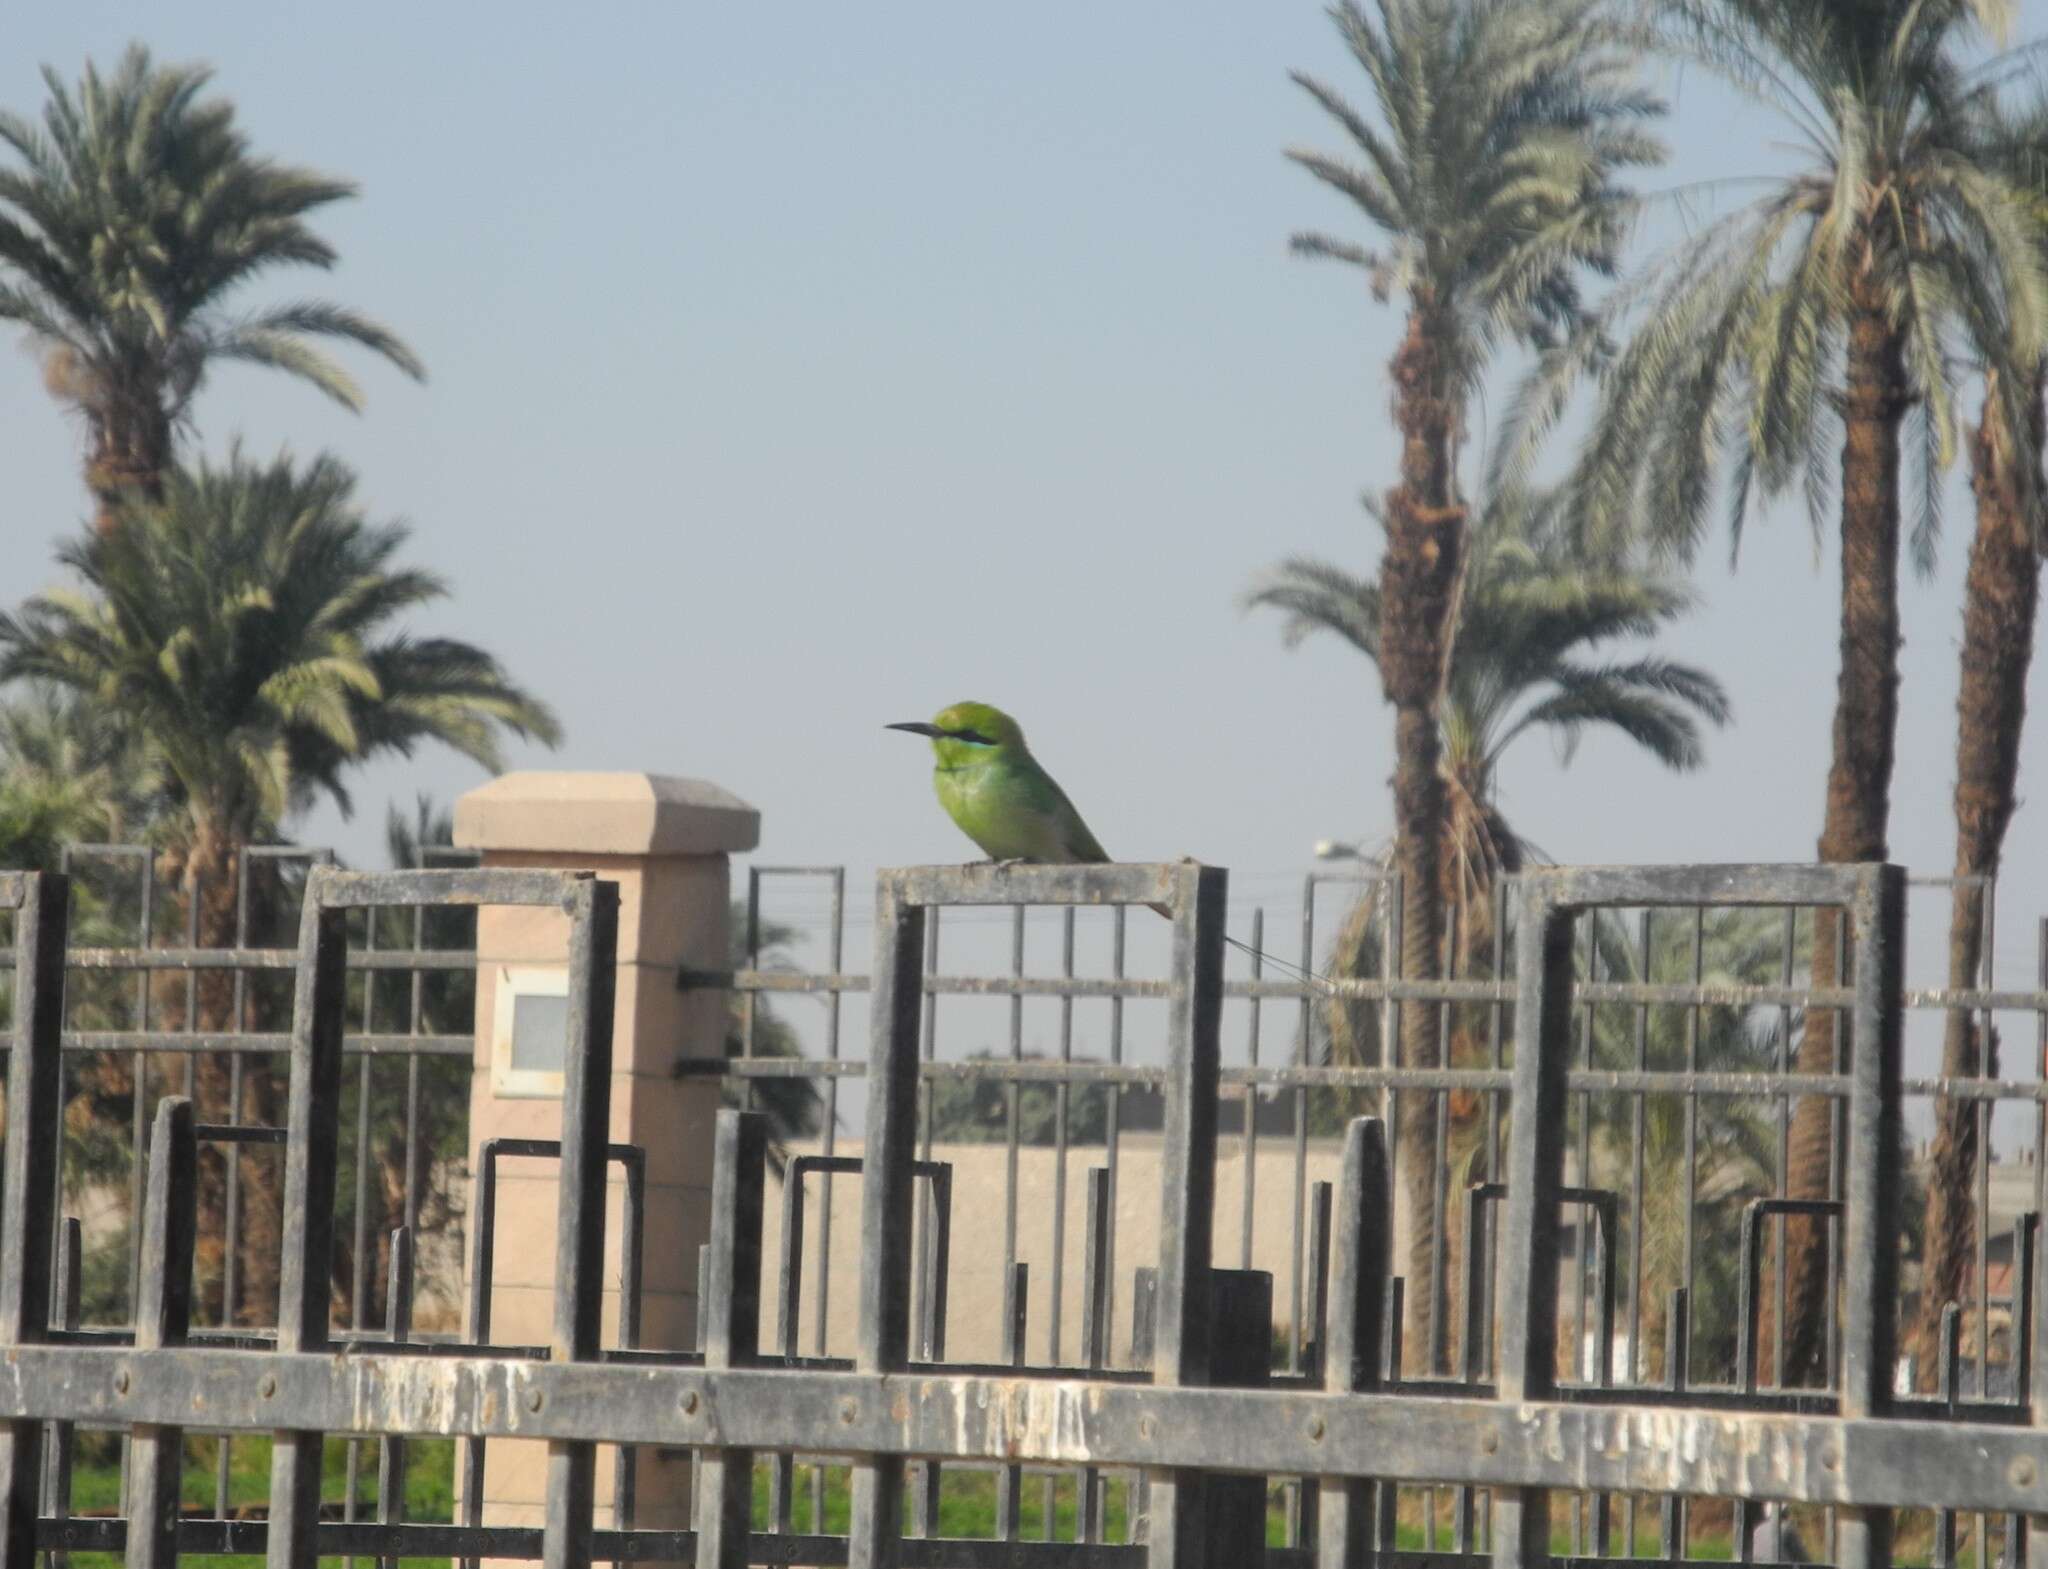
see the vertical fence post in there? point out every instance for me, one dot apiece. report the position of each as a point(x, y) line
point(1315, 1346)
point(1358, 1300)
point(63, 1437)
point(1529, 1242)
point(28, 1204)
point(732, 1336)
point(312, 1136)
point(882, 1343)
point(593, 909)
point(1387, 1494)
point(1870, 1232)
point(398, 1319)
point(1016, 1312)
point(163, 1309)
point(2035, 1528)
point(483, 1206)
point(1094, 1333)
point(1677, 1336)
point(1241, 1319)
point(1180, 1333)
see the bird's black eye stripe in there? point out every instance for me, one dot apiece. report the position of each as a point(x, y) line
point(973, 737)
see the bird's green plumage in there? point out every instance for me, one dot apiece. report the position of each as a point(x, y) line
point(1001, 798)
point(998, 793)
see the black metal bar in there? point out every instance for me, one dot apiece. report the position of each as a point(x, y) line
point(28, 1174)
point(1302, 1505)
point(477, 1319)
point(1473, 1343)
point(1870, 1233)
point(1950, 1390)
point(1241, 1321)
point(1529, 1237)
point(1094, 1331)
point(391, 1452)
point(1386, 1492)
point(2025, 1234)
point(788, 1310)
point(1677, 1335)
point(593, 910)
point(311, 1156)
point(163, 1311)
point(1016, 1308)
point(725, 1476)
point(2036, 1330)
point(1187, 1165)
point(359, 1285)
point(882, 1343)
point(63, 1438)
point(625, 1474)
point(1358, 1305)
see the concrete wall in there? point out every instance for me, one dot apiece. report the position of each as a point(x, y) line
point(975, 1282)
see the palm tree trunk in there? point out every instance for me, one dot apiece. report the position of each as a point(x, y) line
point(2001, 597)
point(1419, 575)
point(1859, 781)
point(131, 454)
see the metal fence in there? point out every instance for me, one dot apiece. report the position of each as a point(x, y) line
point(1372, 1447)
point(148, 1009)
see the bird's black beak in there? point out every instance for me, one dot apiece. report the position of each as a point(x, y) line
point(917, 727)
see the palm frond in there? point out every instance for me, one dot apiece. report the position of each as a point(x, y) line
point(129, 218)
point(248, 625)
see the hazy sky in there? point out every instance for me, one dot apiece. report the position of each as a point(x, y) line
point(799, 369)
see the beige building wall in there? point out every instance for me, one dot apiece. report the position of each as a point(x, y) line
point(975, 1285)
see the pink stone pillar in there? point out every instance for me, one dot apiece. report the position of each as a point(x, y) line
point(666, 842)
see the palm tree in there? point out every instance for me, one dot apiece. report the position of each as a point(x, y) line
point(1491, 174)
point(1537, 609)
point(244, 628)
point(66, 777)
point(1536, 606)
point(1822, 319)
point(134, 213)
point(2001, 600)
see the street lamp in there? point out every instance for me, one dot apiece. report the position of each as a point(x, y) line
point(1337, 850)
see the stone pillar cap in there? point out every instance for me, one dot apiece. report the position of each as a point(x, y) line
point(605, 814)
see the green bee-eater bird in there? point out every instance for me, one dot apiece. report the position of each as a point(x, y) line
point(996, 791)
point(1003, 799)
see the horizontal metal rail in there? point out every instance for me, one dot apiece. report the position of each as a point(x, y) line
point(1637, 993)
point(1625, 1448)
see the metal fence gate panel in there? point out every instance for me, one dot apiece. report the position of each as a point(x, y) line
point(1197, 1413)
